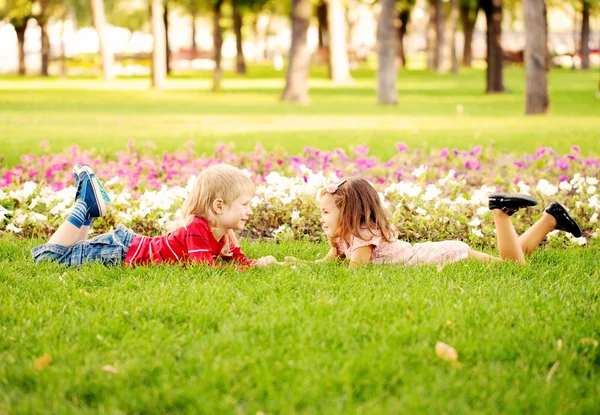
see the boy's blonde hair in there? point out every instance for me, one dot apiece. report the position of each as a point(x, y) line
point(220, 181)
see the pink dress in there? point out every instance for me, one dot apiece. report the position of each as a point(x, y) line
point(400, 252)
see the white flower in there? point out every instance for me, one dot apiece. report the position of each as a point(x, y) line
point(594, 218)
point(591, 180)
point(295, 215)
point(594, 202)
point(477, 232)
point(4, 212)
point(523, 188)
point(565, 186)
point(12, 228)
point(581, 240)
point(482, 210)
point(421, 211)
point(475, 222)
point(546, 188)
point(419, 171)
point(112, 181)
point(431, 193)
point(279, 230)
point(591, 190)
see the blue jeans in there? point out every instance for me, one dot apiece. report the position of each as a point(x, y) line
point(108, 248)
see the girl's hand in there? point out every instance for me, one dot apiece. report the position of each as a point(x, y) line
point(268, 260)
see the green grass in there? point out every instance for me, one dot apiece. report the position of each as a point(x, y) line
point(318, 339)
point(86, 112)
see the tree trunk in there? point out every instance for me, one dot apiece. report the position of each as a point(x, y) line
point(493, 16)
point(20, 29)
point(454, 25)
point(45, 48)
point(386, 38)
point(338, 51)
point(217, 45)
point(296, 87)
point(585, 36)
point(322, 24)
point(440, 21)
point(159, 68)
point(194, 46)
point(468, 25)
point(63, 58)
point(536, 57)
point(240, 64)
point(431, 37)
point(99, 19)
point(167, 48)
point(403, 17)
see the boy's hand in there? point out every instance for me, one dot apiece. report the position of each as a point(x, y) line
point(267, 260)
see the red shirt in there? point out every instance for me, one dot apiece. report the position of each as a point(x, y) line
point(194, 243)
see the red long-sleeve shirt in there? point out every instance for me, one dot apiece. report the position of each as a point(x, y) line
point(193, 243)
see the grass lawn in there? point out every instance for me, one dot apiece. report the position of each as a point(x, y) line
point(314, 339)
point(86, 112)
point(318, 339)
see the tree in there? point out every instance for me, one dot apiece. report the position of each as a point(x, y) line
point(536, 57)
point(403, 18)
point(386, 70)
point(167, 47)
point(42, 11)
point(296, 87)
point(338, 49)
point(217, 45)
point(18, 13)
point(99, 18)
point(435, 36)
point(468, 10)
point(159, 70)
point(585, 35)
point(240, 62)
point(454, 25)
point(493, 17)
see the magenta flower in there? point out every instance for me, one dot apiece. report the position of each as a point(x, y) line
point(401, 146)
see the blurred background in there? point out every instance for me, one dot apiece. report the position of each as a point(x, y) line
point(117, 37)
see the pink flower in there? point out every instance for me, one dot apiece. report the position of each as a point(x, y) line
point(401, 146)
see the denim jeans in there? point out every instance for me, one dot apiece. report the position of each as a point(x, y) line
point(108, 248)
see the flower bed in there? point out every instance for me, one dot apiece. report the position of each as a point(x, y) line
point(430, 196)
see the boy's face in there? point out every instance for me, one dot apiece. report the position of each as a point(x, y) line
point(236, 215)
point(330, 215)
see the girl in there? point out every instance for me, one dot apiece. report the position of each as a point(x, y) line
point(217, 206)
point(356, 226)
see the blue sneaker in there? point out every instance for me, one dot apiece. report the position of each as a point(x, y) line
point(91, 191)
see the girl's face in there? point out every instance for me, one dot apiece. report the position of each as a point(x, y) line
point(330, 215)
point(235, 215)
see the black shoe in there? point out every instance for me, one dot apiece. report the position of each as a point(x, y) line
point(564, 221)
point(509, 203)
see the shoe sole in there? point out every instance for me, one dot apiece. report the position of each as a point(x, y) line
point(99, 192)
point(515, 196)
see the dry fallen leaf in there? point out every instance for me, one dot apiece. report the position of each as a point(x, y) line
point(449, 324)
point(110, 369)
point(446, 352)
point(41, 362)
point(559, 344)
point(589, 341)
